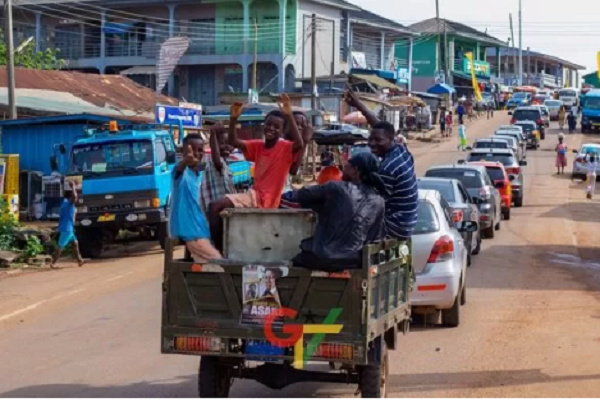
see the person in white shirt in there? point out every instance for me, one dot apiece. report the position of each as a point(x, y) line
point(592, 165)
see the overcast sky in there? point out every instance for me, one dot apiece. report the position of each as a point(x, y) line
point(567, 29)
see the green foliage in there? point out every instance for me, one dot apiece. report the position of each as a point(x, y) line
point(33, 247)
point(8, 227)
point(27, 56)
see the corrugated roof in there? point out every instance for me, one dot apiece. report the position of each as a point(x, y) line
point(375, 80)
point(453, 27)
point(510, 52)
point(64, 92)
point(369, 16)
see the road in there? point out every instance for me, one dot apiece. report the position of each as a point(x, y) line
point(531, 327)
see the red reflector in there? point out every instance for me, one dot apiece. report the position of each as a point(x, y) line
point(335, 351)
point(425, 288)
point(513, 170)
point(442, 250)
point(340, 275)
point(484, 218)
point(196, 268)
point(197, 344)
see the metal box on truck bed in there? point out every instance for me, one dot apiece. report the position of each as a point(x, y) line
point(204, 307)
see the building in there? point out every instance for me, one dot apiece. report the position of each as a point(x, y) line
point(115, 36)
point(447, 62)
point(539, 69)
point(592, 79)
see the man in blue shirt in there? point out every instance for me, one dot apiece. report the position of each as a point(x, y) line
point(187, 221)
point(397, 171)
point(66, 223)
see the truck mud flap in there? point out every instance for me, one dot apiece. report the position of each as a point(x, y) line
point(276, 376)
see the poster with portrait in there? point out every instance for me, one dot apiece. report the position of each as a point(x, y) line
point(260, 296)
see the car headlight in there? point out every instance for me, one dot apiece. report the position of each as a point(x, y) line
point(141, 204)
point(82, 209)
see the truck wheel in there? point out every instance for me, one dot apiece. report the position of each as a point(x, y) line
point(214, 380)
point(162, 234)
point(451, 317)
point(372, 379)
point(90, 244)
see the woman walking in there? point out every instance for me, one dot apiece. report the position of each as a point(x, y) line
point(449, 121)
point(561, 154)
point(462, 138)
point(562, 115)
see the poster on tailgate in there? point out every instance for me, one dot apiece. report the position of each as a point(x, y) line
point(261, 296)
point(77, 181)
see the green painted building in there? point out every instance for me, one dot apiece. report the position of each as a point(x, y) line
point(592, 79)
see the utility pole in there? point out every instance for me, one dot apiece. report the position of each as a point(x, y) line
point(313, 61)
point(255, 64)
point(332, 72)
point(520, 44)
point(437, 18)
point(446, 61)
point(528, 65)
point(10, 59)
point(514, 48)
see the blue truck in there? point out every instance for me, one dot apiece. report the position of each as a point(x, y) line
point(590, 111)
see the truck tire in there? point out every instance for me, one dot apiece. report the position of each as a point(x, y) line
point(162, 233)
point(451, 317)
point(214, 380)
point(372, 379)
point(90, 244)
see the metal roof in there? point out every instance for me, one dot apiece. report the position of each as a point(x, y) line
point(88, 118)
point(510, 52)
point(370, 18)
point(456, 28)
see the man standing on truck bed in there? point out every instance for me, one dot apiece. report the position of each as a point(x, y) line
point(66, 222)
point(397, 171)
point(273, 158)
point(187, 221)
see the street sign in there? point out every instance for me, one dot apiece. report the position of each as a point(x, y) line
point(252, 96)
point(403, 75)
point(189, 117)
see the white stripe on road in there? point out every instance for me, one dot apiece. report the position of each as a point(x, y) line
point(36, 305)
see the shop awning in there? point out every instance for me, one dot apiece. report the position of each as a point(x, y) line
point(466, 76)
point(441, 89)
point(140, 70)
point(377, 81)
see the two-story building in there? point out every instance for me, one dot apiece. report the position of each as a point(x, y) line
point(539, 69)
point(439, 55)
point(226, 37)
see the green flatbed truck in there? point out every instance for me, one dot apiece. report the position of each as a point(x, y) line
point(347, 319)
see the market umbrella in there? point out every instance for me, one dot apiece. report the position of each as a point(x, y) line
point(355, 118)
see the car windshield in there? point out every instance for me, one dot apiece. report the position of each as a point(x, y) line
point(590, 150)
point(470, 178)
point(568, 93)
point(527, 114)
point(592, 103)
point(112, 158)
point(553, 103)
point(427, 219)
point(506, 160)
point(520, 95)
point(491, 144)
point(496, 174)
point(445, 188)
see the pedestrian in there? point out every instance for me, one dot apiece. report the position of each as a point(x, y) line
point(460, 110)
point(561, 154)
point(66, 226)
point(592, 165)
point(442, 123)
point(462, 137)
point(561, 117)
point(449, 121)
point(187, 222)
point(572, 122)
point(217, 180)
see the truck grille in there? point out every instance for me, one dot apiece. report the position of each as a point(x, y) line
point(98, 203)
point(111, 208)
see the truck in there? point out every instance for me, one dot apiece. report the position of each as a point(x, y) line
point(590, 111)
point(253, 315)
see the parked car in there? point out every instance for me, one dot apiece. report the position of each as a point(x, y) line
point(488, 100)
point(513, 168)
point(519, 99)
point(531, 113)
point(492, 142)
point(539, 99)
point(553, 108)
point(502, 182)
point(517, 133)
point(481, 190)
point(463, 208)
point(513, 143)
point(545, 114)
point(580, 162)
point(530, 129)
point(439, 259)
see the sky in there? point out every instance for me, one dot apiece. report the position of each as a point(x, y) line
point(566, 29)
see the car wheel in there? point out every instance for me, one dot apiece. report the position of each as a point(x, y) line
point(519, 202)
point(463, 295)
point(489, 232)
point(451, 316)
point(497, 227)
point(478, 246)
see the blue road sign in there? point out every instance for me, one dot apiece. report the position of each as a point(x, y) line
point(190, 118)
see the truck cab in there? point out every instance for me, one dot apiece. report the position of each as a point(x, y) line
point(590, 112)
point(124, 178)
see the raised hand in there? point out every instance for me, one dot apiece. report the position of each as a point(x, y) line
point(351, 98)
point(236, 110)
point(285, 105)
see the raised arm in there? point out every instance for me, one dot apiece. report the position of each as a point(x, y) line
point(307, 135)
point(234, 115)
point(286, 108)
point(353, 100)
point(215, 148)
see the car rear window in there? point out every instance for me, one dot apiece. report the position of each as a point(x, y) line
point(590, 150)
point(470, 178)
point(491, 144)
point(511, 140)
point(527, 114)
point(496, 174)
point(553, 103)
point(427, 219)
point(527, 127)
point(506, 160)
point(445, 189)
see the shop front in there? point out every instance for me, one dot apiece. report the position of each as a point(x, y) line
point(462, 80)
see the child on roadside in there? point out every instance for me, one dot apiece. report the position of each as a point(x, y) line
point(66, 223)
point(462, 138)
point(592, 165)
point(187, 221)
point(449, 121)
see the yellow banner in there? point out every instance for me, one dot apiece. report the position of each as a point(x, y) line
point(476, 89)
point(598, 66)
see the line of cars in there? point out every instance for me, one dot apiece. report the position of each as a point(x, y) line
point(460, 205)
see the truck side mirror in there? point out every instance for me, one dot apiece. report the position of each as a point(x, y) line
point(54, 163)
point(171, 157)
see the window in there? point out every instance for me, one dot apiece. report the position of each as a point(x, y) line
point(527, 115)
point(161, 152)
point(491, 144)
point(447, 212)
point(470, 178)
point(427, 219)
point(506, 160)
point(496, 174)
point(445, 188)
point(463, 193)
point(112, 158)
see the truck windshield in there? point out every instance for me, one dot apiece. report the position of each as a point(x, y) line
point(112, 158)
point(568, 93)
point(592, 103)
point(520, 95)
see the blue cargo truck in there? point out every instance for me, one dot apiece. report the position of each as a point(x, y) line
point(590, 111)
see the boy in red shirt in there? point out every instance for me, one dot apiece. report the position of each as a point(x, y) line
point(273, 159)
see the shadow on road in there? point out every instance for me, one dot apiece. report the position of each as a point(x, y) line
point(585, 211)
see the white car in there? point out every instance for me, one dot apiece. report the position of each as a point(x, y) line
point(580, 167)
point(439, 259)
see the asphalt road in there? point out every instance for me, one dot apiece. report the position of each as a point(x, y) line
point(531, 327)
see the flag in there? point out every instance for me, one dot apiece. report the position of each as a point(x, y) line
point(476, 89)
point(170, 54)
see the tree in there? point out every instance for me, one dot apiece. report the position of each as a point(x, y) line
point(28, 57)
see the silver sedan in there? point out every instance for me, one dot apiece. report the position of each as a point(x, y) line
point(553, 107)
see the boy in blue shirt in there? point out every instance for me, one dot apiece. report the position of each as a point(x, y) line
point(66, 223)
point(187, 221)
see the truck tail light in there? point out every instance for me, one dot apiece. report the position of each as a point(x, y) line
point(457, 215)
point(513, 120)
point(155, 203)
point(197, 344)
point(540, 122)
point(442, 250)
point(335, 351)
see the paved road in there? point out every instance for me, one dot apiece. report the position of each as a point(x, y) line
point(531, 327)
